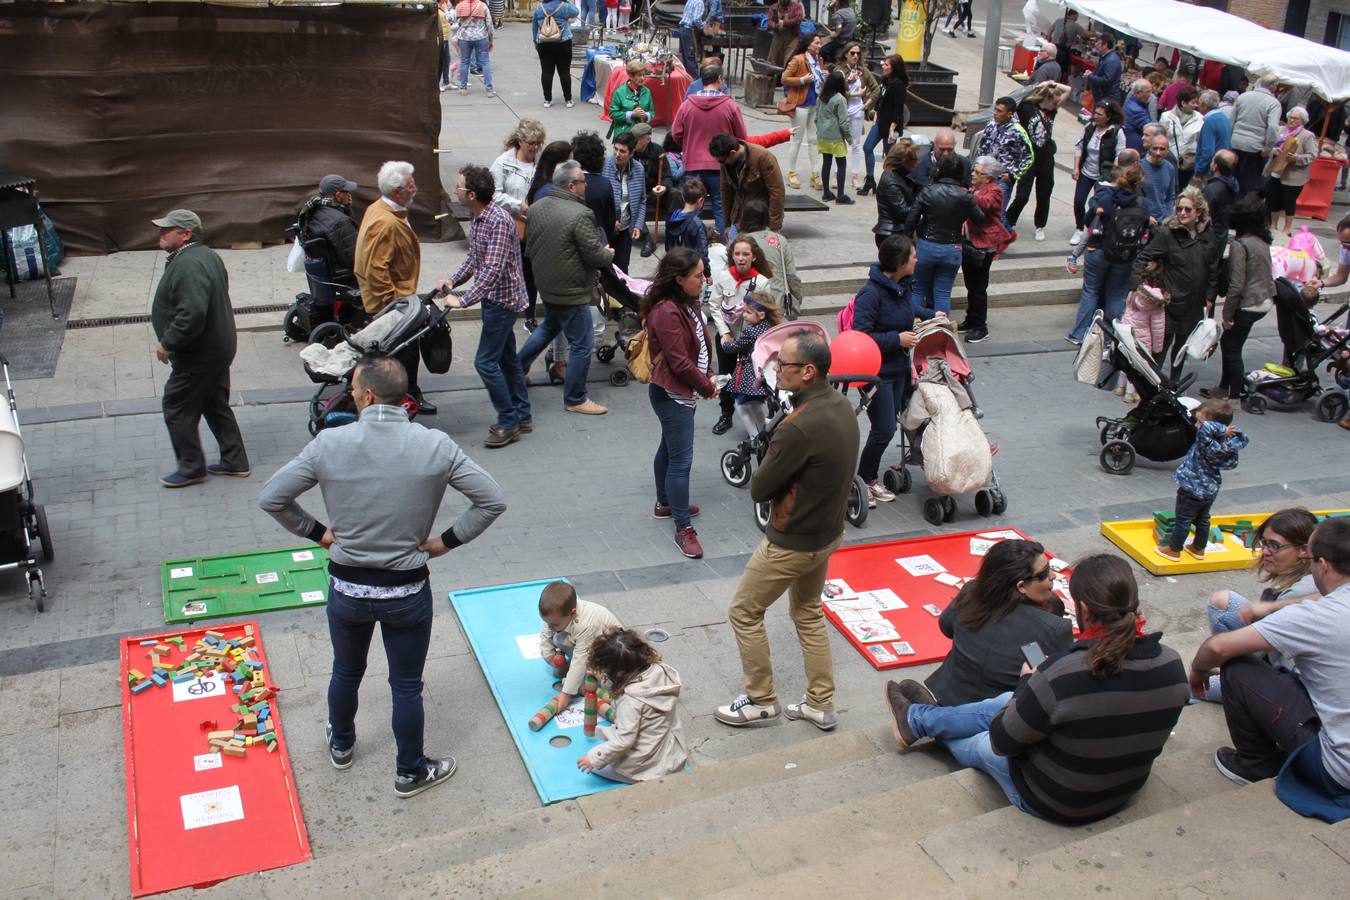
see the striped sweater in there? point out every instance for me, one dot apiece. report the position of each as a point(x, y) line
point(1079, 748)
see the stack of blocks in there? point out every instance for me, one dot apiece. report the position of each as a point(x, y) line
point(1163, 523)
point(234, 659)
point(597, 702)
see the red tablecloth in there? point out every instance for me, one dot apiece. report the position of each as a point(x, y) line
point(667, 93)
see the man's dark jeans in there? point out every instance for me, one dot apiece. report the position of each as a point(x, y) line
point(405, 627)
point(574, 322)
point(190, 394)
point(499, 367)
point(1269, 714)
point(1190, 509)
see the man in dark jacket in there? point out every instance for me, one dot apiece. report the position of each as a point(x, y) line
point(805, 477)
point(944, 145)
point(1105, 79)
point(194, 327)
point(749, 172)
point(329, 216)
point(649, 153)
point(1221, 190)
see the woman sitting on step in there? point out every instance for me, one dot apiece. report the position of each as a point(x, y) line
point(1077, 739)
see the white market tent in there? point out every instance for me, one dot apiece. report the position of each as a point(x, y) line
point(1210, 34)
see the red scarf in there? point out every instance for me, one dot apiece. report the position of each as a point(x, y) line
point(740, 280)
point(1097, 632)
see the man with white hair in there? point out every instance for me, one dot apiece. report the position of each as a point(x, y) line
point(1256, 127)
point(389, 257)
point(1137, 115)
point(1216, 133)
point(1047, 67)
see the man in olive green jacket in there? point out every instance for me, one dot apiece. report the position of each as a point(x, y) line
point(194, 327)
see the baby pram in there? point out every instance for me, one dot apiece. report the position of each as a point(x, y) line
point(1161, 427)
point(960, 458)
point(1308, 344)
point(23, 522)
point(737, 464)
point(332, 356)
point(621, 295)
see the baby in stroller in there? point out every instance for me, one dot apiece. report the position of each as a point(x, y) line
point(1308, 343)
point(758, 314)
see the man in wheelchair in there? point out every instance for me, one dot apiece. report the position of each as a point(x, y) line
point(327, 232)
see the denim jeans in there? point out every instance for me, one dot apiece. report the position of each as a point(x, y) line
point(935, 273)
point(575, 323)
point(474, 50)
point(964, 730)
point(1190, 510)
point(674, 455)
point(1105, 284)
point(874, 137)
point(1082, 193)
point(688, 49)
point(499, 367)
point(887, 401)
point(405, 628)
point(712, 180)
point(590, 11)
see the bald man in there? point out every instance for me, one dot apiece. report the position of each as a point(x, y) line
point(944, 144)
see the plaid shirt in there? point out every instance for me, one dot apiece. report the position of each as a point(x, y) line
point(494, 261)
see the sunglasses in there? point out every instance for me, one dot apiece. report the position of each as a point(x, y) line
point(1042, 575)
point(1185, 209)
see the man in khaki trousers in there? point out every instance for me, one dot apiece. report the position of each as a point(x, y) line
point(805, 476)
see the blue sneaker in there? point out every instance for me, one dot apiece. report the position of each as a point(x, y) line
point(179, 480)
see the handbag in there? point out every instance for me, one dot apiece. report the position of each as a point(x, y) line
point(640, 360)
point(1087, 364)
point(435, 347)
point(1201, 342)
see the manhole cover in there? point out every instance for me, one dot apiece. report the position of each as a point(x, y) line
point(657, 635)
point(560, 740)
point(557, 685)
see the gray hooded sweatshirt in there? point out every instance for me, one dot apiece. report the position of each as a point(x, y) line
point(646, 741)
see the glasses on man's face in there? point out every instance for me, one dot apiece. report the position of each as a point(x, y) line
point(1273, 547)
point(780, 364)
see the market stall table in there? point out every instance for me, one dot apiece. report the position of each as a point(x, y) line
point(667, 92)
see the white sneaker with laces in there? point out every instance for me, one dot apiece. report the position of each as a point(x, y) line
point(1077, 237)
point(823, 719)
point(878, 492)
point(1040, 234)
point(744, 711)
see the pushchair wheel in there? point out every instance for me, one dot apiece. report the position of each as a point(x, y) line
point(38, 596)
point(984, 502)
point(762, 512)
point(1117, 457)
point(619, 378)
point(897, 481)
point(44, 534)
point(330, 334)
point(1255, 404)
point(736, 468)
point(948, 508)
point(605, 353)
point(932, 511)
point(1331, 408)
point(856, 511)
point(1000, 502)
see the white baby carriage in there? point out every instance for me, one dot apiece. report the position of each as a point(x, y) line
point(23, 522)
point(940, 431)
point(737, 463)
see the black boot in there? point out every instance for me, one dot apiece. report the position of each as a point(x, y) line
point(722, 426)
point(648, 245)
point(869, 185)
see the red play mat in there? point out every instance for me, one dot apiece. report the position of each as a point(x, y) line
point(873, 575)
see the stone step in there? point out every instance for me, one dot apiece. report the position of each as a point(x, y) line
point(1023, 293)
point(850, 277)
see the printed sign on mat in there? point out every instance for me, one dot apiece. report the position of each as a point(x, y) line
point(214, 686)
point(211, 807)
point(921, 565)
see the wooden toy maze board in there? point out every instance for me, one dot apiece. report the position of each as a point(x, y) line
point(502, 625)
point(886, 598)
point(243, 584)
point(210, 792)
point(1229, 542)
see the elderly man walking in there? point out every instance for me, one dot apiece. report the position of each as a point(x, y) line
point(562, 241)
point(383, 479)
point(805, 477)
point(194, 326)
point(1256, 128)
point(389, 257)
point(499, 284)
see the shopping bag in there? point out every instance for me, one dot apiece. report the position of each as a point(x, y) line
point(1201, 342)
point(296, 261)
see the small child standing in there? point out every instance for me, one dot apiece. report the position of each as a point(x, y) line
point(758, 314)
point(685, 226)
point(625, 13)
point(611, 13)
point(1145, 313)
point(1199, 477)
point(570, 628)
point(646, 740)
point(833, 135)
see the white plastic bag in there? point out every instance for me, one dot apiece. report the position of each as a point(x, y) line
point(296, 261)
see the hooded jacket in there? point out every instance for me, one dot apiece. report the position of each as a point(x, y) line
point(646, 740)
point(700, 118)
point(1106, 198)
point(686, 229)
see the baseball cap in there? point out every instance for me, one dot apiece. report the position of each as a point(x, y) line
point(640, 129)
point(331, 184)
point(180, 218)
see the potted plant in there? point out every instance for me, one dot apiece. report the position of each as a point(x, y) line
point(932, 87)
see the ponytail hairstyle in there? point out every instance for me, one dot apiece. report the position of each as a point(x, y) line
point(1105, 585)
point(621, 655)
point(1295, 525)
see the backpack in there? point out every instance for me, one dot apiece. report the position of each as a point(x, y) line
point(844, 318)
point(1123, 237)
point(549, 29)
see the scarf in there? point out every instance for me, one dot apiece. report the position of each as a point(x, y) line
point(739, 279)
point(1098, 632)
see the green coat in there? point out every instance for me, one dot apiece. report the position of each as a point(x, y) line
point(191, 314)
point(832, 120)
point(565, 248)
point(624, 101)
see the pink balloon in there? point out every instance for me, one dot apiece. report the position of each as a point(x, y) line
point(854, 353)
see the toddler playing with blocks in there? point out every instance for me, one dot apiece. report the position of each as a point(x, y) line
point(570, 627)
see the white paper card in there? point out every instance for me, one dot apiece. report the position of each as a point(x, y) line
point(206, 761)
point(885, 599)
point(1005, 535)
point(881, 655)
point(921, 565)
point(858, 615)
point(211, 807)
point(210, 686)
point(980, 546)
point(311, 597)
point(1057, 565)
point(529, 645)
point(948, 579)
point(574, 716)
point(880, 630)
point(302, 555)
point(902, 648)
point(853, 604)
point(837, 589)
point(266, 577)
point(185, 572)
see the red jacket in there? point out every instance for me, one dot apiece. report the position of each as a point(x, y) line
point(991, 233)
point(699, 119)
point(670, 332)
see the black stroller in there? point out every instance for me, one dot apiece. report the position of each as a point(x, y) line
point(1308, 344)
point(333, 293)
point(23, 521)
point(621, 295)
point(332, 354)
point(1161, 427)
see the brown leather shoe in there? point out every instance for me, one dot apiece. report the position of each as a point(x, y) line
point(500, 437)
point(588, 408)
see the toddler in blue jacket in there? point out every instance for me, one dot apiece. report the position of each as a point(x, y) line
point(1200, 475)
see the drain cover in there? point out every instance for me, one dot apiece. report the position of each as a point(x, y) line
point(657, 635)
point(560, 740)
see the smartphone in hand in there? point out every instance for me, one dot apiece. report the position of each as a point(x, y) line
point(1033, 654)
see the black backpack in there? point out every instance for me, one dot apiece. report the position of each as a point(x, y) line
point(1125, 232)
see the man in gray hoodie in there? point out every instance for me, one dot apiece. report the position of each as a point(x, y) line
point(383, 479)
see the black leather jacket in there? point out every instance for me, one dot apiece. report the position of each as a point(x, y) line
point(940, 212)
point(895, 195)
point(340, 229)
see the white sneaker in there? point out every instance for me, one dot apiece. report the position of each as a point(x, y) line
point(1077, 236)
point(569, 104)
point(547, 104)
point(823, 719)
point(1040, 234)
point(877, 491)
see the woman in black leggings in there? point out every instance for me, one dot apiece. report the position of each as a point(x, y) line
point(552, 29)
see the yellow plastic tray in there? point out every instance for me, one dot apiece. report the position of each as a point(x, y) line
point(1135, 537)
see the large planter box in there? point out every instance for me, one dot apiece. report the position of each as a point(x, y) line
point(937, 85)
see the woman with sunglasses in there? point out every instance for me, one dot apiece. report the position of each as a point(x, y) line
point(1010, 602)
point(1283, 565)
point(863, 91)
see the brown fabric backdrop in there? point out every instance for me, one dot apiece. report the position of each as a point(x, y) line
point(125, 111)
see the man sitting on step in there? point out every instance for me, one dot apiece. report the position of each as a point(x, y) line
point(1296, 726)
